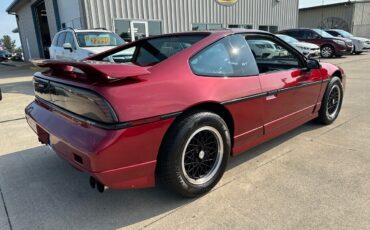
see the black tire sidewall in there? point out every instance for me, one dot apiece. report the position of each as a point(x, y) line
point(178, 136)
point(323, 117)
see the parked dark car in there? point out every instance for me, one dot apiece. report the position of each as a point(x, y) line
point(329, 45)
point(4, 55)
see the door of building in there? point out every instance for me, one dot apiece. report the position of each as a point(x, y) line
point(139, 29)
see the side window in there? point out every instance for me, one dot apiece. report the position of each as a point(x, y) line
point(69, 39)
point(230, 56)
point(272, 56)
point(61, 39)
point(295, 33)
point(55, 40)
point(309, 35)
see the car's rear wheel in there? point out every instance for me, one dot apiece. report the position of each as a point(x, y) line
point(194, 154)
point(332, 102)
point(327, 51)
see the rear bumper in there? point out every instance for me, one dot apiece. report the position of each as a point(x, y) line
point(124, 158)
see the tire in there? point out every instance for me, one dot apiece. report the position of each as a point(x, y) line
point(327, 51)
point(331, 102)
point(358, 53)
point(194, 154)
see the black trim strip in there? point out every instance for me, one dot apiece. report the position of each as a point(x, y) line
point(113, 126)
point(272, 92)
point(254, 96)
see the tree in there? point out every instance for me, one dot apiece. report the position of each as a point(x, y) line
point(18, 50)
point(8, 43)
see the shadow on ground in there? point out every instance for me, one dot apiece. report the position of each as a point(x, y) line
point(42, 191)
point(23, 87)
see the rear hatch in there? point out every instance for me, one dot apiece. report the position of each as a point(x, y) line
point(67, 86)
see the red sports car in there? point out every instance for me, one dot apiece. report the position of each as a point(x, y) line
point(175, 107)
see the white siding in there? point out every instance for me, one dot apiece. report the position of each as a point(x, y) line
point(361, 19)
point(178, 15)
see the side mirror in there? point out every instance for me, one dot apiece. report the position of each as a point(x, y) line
point(68, 46)
point(313, 64)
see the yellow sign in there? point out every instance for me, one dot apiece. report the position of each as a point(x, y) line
point(227, 2)
point(91, 40)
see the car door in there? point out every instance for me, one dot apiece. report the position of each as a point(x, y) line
point(230, 74)
point(291, 91)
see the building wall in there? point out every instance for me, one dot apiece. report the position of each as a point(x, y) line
point(27, 31)
point(69, 12)
point(313, 17)
point(361, 19)
point(178, 15)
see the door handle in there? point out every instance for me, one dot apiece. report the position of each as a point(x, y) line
point(271, 95)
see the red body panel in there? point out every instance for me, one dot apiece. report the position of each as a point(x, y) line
point(126, 158)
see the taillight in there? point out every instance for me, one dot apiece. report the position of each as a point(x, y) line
point(76, 100)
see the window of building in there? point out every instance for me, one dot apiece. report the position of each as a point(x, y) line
point(203, 26)
point(230, 56)
point(61, 39)
point(272, 56)
point(122, 27)
point(242, 26)
point(264, 28)
point(271, 29)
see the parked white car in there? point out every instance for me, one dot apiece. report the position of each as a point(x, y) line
point(308, 49)
point(73, 44)
point(265, 49)
point(360, 44)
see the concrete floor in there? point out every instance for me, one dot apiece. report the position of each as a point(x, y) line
point(314, 177)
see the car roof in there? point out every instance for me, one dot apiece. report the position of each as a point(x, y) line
point(214, 32)
point(90, 30)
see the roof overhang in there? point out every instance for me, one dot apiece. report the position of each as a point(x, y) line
point(328, 5)
point(15, 5)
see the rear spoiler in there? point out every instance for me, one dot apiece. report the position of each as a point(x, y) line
point(92, 70)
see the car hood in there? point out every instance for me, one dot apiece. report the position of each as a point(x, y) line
point(343, 39)
point(96, 50)
point(306, 44)
point(360, 39)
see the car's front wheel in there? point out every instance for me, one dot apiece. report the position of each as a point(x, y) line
point(194, 154)
point(332, 102)
point(327, 51)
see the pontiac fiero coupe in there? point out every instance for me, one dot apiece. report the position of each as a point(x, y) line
point(175, 107)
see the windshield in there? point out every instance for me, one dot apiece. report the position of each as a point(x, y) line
point(288, 39)
point(98, 39)
point(323, 33)
point(344, 33)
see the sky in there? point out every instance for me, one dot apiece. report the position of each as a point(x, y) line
point(8, 22)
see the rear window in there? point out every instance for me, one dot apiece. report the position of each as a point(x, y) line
point(157, 50)
point(152, 51)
